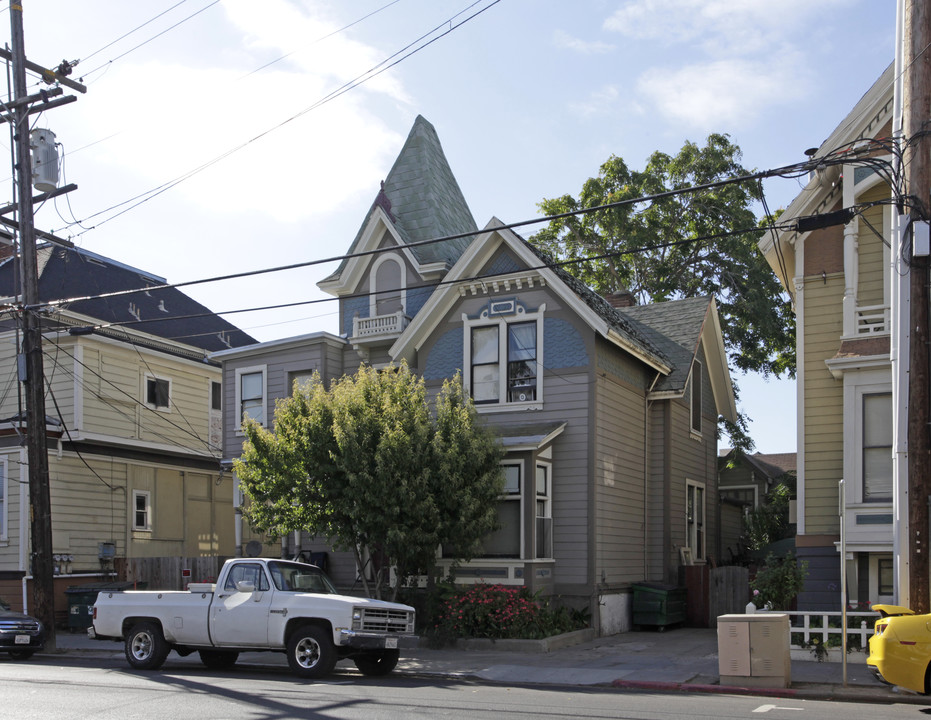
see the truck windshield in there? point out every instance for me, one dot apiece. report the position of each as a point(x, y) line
point(297, 577)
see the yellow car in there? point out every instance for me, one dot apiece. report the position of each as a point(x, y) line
point(900, 648)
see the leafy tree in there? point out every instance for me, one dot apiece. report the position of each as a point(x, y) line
point(368, 466)
point(770, 521)
point(779, 581)
point(699, 243)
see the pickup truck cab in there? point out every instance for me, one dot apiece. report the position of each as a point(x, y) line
point(257, 604)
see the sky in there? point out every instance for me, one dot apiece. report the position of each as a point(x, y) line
point(219, 137)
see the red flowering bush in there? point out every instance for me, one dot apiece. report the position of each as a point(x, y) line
point(498, 612)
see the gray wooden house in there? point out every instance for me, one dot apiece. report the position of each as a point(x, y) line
point(608, 414)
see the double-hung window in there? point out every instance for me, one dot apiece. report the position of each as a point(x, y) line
point(544, 528)
point(251, 394)
point(877, 447)
point(505, 541)
point(142, 510)
point(695, 519)
point(503, 361)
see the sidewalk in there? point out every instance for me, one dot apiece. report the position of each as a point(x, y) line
point(678, 660)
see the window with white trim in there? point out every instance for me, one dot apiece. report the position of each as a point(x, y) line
point(157, 392)
point(877, 447)
point(695, 519)
point(251, 397)
point(544, 517)
point(695, 397)
point(503, 358)
point(505, 542)
point(387, 282)
point(142, 510)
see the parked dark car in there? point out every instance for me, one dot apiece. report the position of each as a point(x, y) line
point(20, 635)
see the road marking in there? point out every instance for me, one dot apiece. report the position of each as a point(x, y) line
point(767, 708)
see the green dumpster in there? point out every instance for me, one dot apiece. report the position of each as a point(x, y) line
point(81, 599)
point(658, 605)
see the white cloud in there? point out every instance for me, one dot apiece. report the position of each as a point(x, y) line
point(565, 41)
point(600, 102)
point(717, 26)
point(720, 95)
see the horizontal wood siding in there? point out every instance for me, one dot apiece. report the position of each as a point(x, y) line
point(873, 272)
point(656, 495)
point(824, 405)
point(620, 476)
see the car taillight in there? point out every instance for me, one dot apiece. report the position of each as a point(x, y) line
point(95, 612)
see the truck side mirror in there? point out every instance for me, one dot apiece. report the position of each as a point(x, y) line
point(245, 586)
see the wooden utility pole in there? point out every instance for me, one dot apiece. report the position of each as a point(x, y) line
point(916, 112)
point(43, 588)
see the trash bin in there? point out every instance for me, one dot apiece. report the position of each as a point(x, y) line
point(81, 599)
point(658, 605)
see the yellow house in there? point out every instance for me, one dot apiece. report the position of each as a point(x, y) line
point(133, 424)
point(835, 261)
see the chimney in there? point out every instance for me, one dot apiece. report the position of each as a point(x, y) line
point(623, 298)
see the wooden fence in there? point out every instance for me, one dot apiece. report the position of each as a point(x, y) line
point(168, 573)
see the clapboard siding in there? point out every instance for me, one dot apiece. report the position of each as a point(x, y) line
point(823, 414)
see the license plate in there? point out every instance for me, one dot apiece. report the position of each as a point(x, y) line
point(22, 639)
point(391, 643)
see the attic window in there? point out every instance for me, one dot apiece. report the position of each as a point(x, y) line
point(696, 397)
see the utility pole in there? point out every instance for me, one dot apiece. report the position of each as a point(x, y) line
point(31, 369)
point(43, 588)
point(917, 162)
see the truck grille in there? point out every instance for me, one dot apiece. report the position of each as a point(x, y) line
point(380, 620)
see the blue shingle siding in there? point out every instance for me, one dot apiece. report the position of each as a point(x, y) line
point(445, 358)
point(352, 306)
point(503, 264)
point(563, 346)
point(822, 584)
point(416, 298)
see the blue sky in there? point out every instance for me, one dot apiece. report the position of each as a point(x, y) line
point(529, 98)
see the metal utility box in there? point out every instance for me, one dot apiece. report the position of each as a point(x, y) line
point(658, 605)
point(753, 650)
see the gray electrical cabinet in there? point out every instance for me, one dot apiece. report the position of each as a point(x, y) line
point(753, 650)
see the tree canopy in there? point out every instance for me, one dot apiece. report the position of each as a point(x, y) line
point(684, 244)
point(367, 465)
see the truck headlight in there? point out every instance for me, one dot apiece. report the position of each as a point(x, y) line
point(356, 619)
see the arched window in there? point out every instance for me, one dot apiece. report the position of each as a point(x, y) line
point(388, 279)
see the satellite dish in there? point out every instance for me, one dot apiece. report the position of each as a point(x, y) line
point(253, 548)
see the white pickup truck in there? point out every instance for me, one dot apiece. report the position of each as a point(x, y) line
point(257, 604)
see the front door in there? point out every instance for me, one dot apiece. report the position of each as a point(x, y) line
point(239, 618)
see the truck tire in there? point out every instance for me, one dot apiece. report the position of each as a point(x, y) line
point(145, 646)
point(310, 652)
point(377, 664)
point(218, 659)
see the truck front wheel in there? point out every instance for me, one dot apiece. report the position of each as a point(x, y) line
point(145, 646)
point(310, 652)
point(377, 664)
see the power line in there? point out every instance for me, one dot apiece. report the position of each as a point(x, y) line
point(358, 80)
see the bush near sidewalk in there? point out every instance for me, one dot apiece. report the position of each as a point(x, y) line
point(500, 612)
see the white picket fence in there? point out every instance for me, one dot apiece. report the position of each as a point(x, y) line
point(859, 626)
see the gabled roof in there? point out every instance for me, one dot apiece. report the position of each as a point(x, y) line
point(421, 200)
point(595, 310)
point(678, 328)
point(164, 312)
point(773, 465)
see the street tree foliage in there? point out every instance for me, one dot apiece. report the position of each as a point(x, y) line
point(697, 243)
point(367, 465)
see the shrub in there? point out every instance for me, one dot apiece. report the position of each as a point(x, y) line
point(500, 612)
point(778, 582)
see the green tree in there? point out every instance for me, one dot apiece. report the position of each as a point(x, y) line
point(368, 466)
point(699, 243)
point(770, 521)
point(779, 581)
